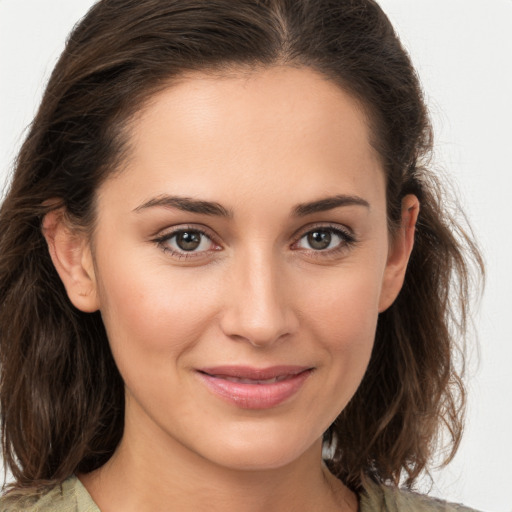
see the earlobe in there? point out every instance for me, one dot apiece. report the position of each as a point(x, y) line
point(399, 253)
point(71, 255)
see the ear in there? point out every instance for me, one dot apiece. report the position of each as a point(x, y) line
point(71, 255)
point(399, 253)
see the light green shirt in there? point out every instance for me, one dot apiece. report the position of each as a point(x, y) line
point(72, 496)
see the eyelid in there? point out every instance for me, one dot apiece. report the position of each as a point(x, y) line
point(347, 234)
point(166, 235)
point(342, 231)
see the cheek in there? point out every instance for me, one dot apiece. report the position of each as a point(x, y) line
point(149, 311)
point(154, 319)
point(342, 318)
point(346, 306)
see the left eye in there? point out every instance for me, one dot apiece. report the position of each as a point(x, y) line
point(322, 239)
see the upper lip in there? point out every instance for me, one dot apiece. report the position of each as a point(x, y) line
point(248, 372)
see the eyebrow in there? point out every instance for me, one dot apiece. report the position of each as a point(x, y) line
point(187, 204)
point(212, 208)
point(328, 203)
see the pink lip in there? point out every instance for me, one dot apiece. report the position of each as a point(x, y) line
point(256, 394)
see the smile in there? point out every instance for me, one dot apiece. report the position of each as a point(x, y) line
point(252, 388)
point(251, 381)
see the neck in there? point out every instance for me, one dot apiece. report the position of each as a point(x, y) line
point(152, 472)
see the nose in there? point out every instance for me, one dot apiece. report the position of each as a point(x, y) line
point(257, 302)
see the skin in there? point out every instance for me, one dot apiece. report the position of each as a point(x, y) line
point(255, 293)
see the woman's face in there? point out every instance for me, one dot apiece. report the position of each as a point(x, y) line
point(241, 258)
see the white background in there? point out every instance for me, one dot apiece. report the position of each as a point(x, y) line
point(463, 52)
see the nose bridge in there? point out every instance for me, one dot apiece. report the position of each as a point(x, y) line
point(258, 309)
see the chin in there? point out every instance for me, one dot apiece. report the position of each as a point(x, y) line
point(263, 452)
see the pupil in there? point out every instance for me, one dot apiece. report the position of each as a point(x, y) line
point(188, 241)
point(319, 239)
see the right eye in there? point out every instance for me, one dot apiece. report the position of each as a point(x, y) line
point(186, 243)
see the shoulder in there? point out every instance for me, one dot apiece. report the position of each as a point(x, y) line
point(381, 498)
point(70, 496)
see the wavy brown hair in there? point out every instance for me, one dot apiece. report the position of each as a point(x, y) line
point(61, 397)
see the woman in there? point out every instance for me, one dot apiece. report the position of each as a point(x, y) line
point(236, 267)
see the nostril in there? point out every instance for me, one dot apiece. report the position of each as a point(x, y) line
point(258, 308)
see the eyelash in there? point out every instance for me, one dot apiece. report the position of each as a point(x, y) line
point(347, 241)
point(163, 240)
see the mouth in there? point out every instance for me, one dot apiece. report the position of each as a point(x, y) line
point(252, 381)
point(255, 388)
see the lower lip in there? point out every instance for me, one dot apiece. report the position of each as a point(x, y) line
point(255, 396)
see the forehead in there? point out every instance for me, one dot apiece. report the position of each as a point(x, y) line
point(257, 102)
point(248, 132)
